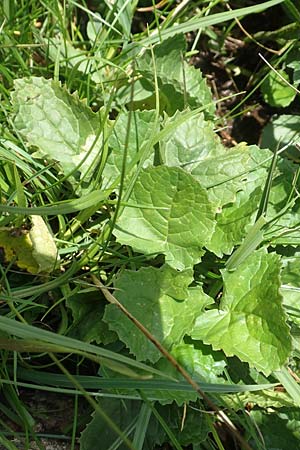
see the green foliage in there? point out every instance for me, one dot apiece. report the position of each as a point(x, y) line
point(62, 127)
point(161, 300)
point(250, 321)
point(169, 213)
point(276, 91)
point(139, 192)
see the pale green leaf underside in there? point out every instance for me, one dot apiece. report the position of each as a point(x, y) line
point(58, 124)
point(176, 218)
point(161, 300)
point(250, 322)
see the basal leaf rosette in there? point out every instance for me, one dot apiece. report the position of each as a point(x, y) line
point(250, 322)
point(169, 213)
point(162, 301)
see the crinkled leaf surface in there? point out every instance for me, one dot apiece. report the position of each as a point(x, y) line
point(161, 300)
point(172, 216)
point(234, 220)
point(194, 146)
point(250, 322)
point(189, 142)
point(179, 83)
point(225, 175)
point(58, 124)
point(142, 128)
point(290, 290)
point(200, 361)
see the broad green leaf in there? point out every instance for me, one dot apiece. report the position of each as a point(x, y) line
point(275, 430)
point(195, 147)
point(234, 220)
point(284, 230)
point(290, 289)
point(122, 413)
point(161, 300)
point(170, 214)
point(58, 124)
point(281, 131)
point(190, 143)
point(276, 91)
point(199, 360)
point(224, 174)
point(141, 130)
point(250, 322)
point(125, 414)
point(88, 326)
point(180, 85)
point(193, 430)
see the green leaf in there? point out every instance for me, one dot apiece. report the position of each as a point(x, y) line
point(284, 191)
point(234, 220)
point(125, 414)
point(224, 173)
point(193, 430)
point(275, 91)
point(250, 322)
point(281, 131)
point(88, 325)
point(229, 173)
point(141, 130)
point(266, 398)
point(275, 431)
point(178, 88)
point(58, 124)
point(172, 216)
point(161, 300)
point(198, 359)
point(189, 143)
